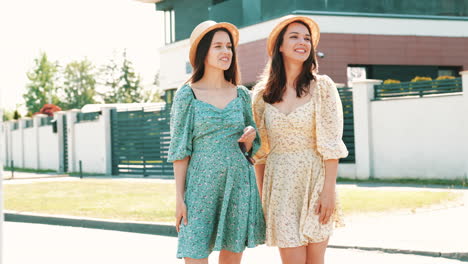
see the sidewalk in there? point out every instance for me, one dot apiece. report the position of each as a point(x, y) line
point(17, 175)
point(35, 243)
point(439, 231)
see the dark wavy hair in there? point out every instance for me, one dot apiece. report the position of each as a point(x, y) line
point(274, 76)
point(231, 75)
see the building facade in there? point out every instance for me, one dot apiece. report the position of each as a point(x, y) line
point(381, 39)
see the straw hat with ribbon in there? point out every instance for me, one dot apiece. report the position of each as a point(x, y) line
point(284, 22)
point(202, 29)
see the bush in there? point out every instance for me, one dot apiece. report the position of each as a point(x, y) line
point(49, 109)
point(445, 77)
point(390, 81)
point(421, 79)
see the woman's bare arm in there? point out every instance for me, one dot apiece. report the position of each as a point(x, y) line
point(180, 173)
point(327, 200)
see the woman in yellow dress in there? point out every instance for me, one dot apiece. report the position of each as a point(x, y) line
point(300, 120)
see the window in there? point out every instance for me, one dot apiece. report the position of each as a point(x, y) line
point(169, 26)
point(448, 71)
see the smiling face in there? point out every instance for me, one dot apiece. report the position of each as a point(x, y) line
point(220, 52)
point(297, 43)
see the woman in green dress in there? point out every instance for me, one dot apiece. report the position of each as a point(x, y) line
point(217, 205)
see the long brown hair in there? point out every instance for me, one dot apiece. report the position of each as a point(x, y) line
point(231, 75)
point(274, 76)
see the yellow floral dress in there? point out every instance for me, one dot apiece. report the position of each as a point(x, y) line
point(293, 148)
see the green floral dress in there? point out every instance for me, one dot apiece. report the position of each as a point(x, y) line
point(223, 205)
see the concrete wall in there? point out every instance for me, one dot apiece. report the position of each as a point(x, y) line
point(3, 142)
point(48, 148)
point(40, 148)
point(90, 146)
point(29, 148)
point(17, 147)
point(424, 138)
point(418, 138)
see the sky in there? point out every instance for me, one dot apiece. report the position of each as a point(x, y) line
point(72, 30)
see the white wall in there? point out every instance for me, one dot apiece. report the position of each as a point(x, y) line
point(39, 148)
point(3, 143)
point(347, 170)
point(48, 148)
point(90, 146)
point(418, 138)
point(29, 148)
point(16, 148)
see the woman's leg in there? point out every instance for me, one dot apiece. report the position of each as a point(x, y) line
point(229, 257)
point(294, 255)
point(316, 252)
point(196, 261)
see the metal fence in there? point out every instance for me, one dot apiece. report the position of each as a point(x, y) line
point(140, 142)
point(418, 89)
point(15, 125)
point(346, 95)
point(87, 117)
point(46, 121)
point(28, 123)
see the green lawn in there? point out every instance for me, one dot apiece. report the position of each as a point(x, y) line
point(148, 201)
point(141, 201)
point(365, 200)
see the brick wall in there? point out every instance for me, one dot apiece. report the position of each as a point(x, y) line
point(343, 49)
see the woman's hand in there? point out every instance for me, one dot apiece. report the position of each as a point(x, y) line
point(249, 135)
point(326, 204)
point(181, 214)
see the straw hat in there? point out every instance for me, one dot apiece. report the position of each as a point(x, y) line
point(200, 31)
point(285, 21)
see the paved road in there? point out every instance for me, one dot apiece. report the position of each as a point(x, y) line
point(35, 243)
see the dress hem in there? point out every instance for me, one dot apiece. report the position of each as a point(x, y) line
point(181, 256)
point(299, 245)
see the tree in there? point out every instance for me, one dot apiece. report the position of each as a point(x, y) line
point(110, 79)
point(152, 93)
point(79, 84)
point(16, 115)
point(122, 82)
point(8, 115)
point(41, 88)
point(131, 88)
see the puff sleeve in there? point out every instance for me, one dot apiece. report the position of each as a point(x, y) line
point(258, 110)
point(249, 121)
point(181, 125)
point(329, 116)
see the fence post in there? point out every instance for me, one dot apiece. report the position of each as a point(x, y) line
point(71, 120)
point(107, 119)
point(363, 93)
point(464, 77)
point(58, 117)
